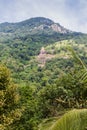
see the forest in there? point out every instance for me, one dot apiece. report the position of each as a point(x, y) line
point(43, 90)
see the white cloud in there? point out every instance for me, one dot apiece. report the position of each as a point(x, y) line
point(69, 13)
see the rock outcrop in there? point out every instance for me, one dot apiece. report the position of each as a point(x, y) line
point(43, 57)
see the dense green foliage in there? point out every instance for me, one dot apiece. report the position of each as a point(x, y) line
point(43, 100)
point(58, 85)
point(9, 101)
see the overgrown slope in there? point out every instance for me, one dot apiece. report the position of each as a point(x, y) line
point(51, 78)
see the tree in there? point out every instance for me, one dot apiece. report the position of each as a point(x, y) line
point(75, 83)
point(9, 100)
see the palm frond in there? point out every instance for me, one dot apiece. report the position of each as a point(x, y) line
point(77, 58)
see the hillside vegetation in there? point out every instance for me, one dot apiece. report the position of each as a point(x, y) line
point(50, 70)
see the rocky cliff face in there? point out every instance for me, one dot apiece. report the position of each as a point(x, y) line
point(43, 57)
point(57, 28)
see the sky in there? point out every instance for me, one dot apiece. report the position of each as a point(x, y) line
point(69, 13)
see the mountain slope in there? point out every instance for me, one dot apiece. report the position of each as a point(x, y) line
point(36, 52)
point(20, 44)
point(33, 26)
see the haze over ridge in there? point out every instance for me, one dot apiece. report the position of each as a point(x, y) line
point(70, 14)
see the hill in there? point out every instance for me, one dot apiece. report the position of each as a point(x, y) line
point(20, 43)
point(20, 47)
point(36, 25)
point(51, 76)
